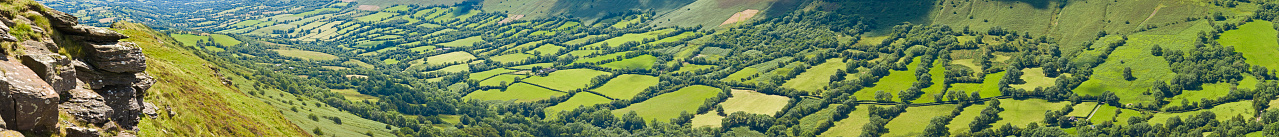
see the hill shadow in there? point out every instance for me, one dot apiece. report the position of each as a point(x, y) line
point(1037, 4)
point(593, 9)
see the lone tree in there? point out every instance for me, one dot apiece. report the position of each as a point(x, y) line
point(1157, 51)
point(1128, 74)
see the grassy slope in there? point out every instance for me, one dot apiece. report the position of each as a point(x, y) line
point(203, 106)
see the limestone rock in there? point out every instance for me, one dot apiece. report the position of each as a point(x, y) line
point(95, 34)
point(124, 102)
point(87, 106)
point(60, 19)
point(149, 109)
point(82, 132)
point(10, 133)
point(143, 84)
point(6, 36)
point(26, 102)
point(55, 69)
point(119, 57)
point(97, 79)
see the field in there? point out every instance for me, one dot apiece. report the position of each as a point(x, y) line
point(939, 78)
point(467, 42)
point(693, 67)
point(851, 126)
point(449, 58)
point(666, 106)
point(741, 75)
point(754, 102)
point(189, 39)
point(578, 100)
point(489, 73)
point(225, 40)
point(511, 58)
point(1146, 68)
point(1211, 91)
point(960, 123)
point(565, 80)
point(546, 49)
point(817, 77)
point(908, 123)
point(1257, 41)
point(497, 80)
point(1107, 113)
point(819, 117)
point(1082, 109)
point(1034, 78)
point(1224, 112)
point(894, 82)
point(308, 55)
point(352, 95)
point(518, 92)
point(1022, 112)
point(641, 62)
point(626, 86)
point(707, 120)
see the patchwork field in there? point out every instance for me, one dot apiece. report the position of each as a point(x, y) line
point(518, 92)
point(449, 58)
point(626, 86)
point(851, 126)
point(1224, 112)
point(754, 102)
point(909, 122)
point(962, 121)
point(817, 77)
point(1257, 41)
point(1034, 78)
point(707, 120)
point(1146, 68)
point(566, 80)
point(641, 62)
point(669, 105)
point(578, 100)
point(1022, 112)
point(894, 82)
point(352, 95)
point(308, 55)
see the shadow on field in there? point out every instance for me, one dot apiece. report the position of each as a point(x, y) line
point(602, 8)
point(1037, 4)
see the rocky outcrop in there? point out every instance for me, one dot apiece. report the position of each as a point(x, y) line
point(87, 105)
point(103, 83)
point(26, 101)
point(118, 57)
point(82, 132)
point(53, 68)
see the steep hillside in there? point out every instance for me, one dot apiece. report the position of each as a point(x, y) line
point(195, 98)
